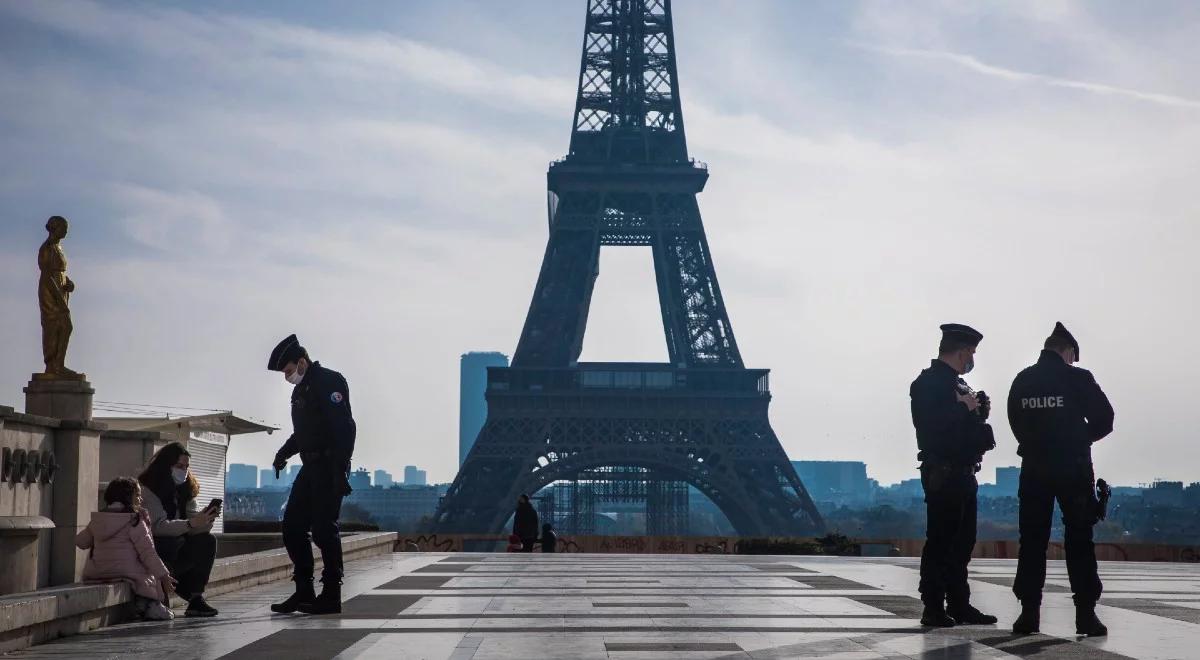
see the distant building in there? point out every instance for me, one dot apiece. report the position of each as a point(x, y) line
point(472, 406)
point(360, 479)
point(413, 476)
point(399, 507)
point(290, 476)
point(241, 477)
point(1008, 480)
point(383, 479)
point(1164, 493)
point(840, 482)
point(267, 480)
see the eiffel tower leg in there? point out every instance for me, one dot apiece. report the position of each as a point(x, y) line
point(553, 334)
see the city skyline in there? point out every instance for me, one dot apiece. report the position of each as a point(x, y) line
point(876, 170)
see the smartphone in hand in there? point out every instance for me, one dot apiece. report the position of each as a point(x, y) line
point(215, 505)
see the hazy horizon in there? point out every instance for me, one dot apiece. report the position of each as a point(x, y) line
point(372, 177)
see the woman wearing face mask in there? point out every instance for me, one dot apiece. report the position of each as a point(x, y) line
point(181, 533)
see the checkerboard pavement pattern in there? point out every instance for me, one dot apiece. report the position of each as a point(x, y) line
point(490, 606)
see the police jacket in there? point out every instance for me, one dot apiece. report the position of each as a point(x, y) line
point(947, 431)
point(1057, 411)
point(321, 418)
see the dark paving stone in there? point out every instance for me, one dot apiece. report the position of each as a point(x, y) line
point(293, 644)
point(671, 646)
point(1188, 614)
point(787, 568)
point(902, 606)
point(370, 606)
point(633, 604)
point(1006, 581)
point(830, 582)
point(1037, 647)
point(444, 568)
point(416, 582)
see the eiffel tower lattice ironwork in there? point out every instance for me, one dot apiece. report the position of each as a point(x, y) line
point(702, 417)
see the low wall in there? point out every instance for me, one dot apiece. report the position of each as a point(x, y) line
point(38, 616)
point(727, 545)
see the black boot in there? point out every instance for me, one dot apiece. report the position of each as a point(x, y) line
point(967, 614)
point(1086, 622)
point(304, 595)
point(935, 616)
point(1030, 621)
point(329, 602)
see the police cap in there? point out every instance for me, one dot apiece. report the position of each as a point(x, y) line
point(289, 350)
point(958, 333)
point(1061, 334)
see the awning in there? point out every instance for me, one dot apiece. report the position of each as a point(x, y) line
point(218, 422)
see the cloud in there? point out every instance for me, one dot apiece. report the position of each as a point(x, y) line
point(382, 193)
point(167, 220)
point(973, 64)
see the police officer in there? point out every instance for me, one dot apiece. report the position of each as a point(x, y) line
point(952, 436)
point(323, 435)
point(1057, 411)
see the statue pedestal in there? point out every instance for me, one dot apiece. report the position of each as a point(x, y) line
point(19, 545)
point(60, 398)
point(77, 451)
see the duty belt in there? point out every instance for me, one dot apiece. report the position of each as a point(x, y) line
point(313, 456)
point(967, 470)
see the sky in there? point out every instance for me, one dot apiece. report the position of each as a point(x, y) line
point(371, 176)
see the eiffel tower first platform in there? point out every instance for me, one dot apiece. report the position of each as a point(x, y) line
point(702, 418)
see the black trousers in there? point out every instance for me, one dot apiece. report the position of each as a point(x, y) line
point(190, 559)
point(950, 509)
point(1072, 484)
point(314, 506)
point(528, 543)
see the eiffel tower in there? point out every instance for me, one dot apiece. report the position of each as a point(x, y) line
point(702, 418)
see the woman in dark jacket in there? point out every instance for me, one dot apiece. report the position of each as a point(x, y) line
point(182, 536)
point(525, 523)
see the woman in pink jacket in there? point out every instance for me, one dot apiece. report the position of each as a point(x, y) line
point(122, 549)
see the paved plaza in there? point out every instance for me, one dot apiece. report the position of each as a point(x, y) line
point(490, 606)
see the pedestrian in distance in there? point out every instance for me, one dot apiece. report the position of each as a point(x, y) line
point(120, 547)
point(1056, 411)
point(323, 433)
point(952, 435)
point(182, 533)
point(525, 523)
point(549, 538)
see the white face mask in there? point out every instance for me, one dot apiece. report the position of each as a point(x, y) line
point(296, 376)
point(179, 475)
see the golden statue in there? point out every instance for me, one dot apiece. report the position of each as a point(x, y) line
point(54, 290)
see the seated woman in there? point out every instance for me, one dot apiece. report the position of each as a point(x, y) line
point(121, 548)
point(181, 534)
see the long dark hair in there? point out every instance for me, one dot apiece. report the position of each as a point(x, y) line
point(157, 476)
point(124, 490)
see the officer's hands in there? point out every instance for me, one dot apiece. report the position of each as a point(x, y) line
point(971, 402)
point(279, 464)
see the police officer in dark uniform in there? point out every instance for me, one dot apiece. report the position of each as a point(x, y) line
point(1057, 411)
point(323, 435)
point(952, 436)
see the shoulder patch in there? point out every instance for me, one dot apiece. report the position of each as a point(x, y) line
point(336, 397)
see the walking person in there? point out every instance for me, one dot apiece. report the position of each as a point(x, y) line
point(121, 547)
point(182, 535)
point(952, 436)
point(1056, 411)
point(525, 523)
point(549, 538)
point(323, 432)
